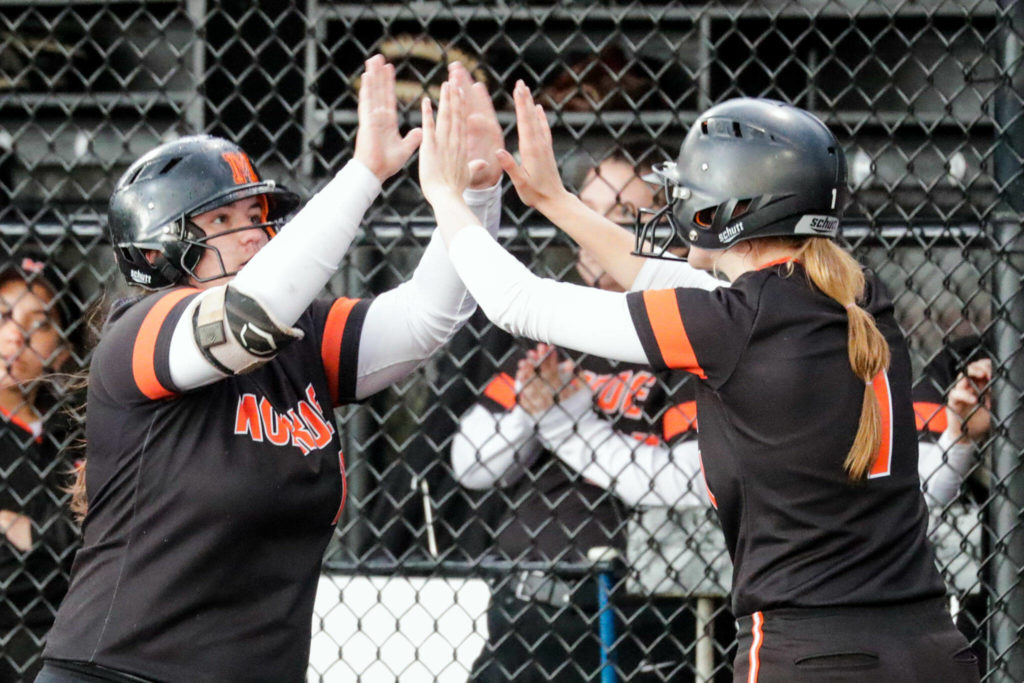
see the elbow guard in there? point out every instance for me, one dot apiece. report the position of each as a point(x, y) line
point(236, 333)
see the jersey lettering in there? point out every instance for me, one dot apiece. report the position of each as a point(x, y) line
point(247, 417)
point(619, 394)
point(304, 426)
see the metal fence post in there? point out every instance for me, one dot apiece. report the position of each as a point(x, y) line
point(1007, 500)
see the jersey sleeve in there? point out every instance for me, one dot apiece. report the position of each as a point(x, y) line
point(341, 323)
point(132, 362)
point(700, 332)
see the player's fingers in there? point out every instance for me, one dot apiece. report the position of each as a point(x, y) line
point(524, 115)
point(543, 128)
point(428, 121)
point(388, 96)
point(482, 101)
point(458, 75)
point(511, 168)
point(412, 141)
point(458, 131)
point(963, 397)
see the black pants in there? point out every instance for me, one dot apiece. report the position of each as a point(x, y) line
point(529, 641)
point(912, 643)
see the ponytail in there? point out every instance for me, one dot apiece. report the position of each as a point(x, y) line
point(79, 504)
point(839, 276)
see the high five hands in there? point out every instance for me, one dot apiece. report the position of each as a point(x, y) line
point(379, 145)
point(459, 148)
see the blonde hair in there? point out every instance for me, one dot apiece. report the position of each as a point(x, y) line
point(835, 272)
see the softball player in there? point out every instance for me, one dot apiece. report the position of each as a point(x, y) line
point(214, 471)
point(806, 424)
point(37, 537)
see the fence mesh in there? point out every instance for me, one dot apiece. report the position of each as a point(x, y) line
point(432, 558)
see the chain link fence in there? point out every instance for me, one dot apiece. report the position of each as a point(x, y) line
point(436, 565)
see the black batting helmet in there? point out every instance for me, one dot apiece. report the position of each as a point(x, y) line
point(155, 198)
point(749, 168)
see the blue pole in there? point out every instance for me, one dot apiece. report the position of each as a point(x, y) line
point(607, 628)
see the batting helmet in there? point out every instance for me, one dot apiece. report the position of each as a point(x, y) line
point(153, 202)
point(749, 168)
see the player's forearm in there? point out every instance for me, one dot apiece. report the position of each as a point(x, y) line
point(638, 473)
point(292, 269)
point(610, 243)
point(553, 312)
point(943, 466)
point(664, 274)
point(406, 325)
point(492, 449)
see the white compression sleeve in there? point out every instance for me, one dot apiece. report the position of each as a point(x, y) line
point(943, 466)
point(290, 271)
point(570, 316)
point(493, 449)
point(665, 274)
point(637, 473)
point(407, 324)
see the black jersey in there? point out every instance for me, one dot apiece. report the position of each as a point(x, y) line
point(209, 511)
point(554, 512)
point(35, 472)
point(779, 408)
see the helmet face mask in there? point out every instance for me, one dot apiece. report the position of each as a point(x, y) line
point(154, 201)
point(749, 168)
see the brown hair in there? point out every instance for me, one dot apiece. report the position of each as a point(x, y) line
point(835, 272)
point(75, 409)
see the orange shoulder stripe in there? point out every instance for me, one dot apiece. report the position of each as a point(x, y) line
point(669, 331)
point(930, 416)
point(144, 352)
point(502, 390)
point(330, 348)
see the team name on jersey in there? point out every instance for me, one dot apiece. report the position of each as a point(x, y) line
point(304, 426)
point(620, 394)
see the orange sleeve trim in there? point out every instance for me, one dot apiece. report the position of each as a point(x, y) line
point(144, 352)
point(669, 332)
point(502, 390)
point(930, 417)
point(678, 419)
point(330, 348)
point(15, 420)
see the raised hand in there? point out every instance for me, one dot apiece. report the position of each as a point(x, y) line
point(482, 128)
point(536, 178)
point(379, 145)
point(444, 168)
point(541, 378)
point(970, 402)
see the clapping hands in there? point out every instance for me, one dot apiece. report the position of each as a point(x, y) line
point(970, 402)
point(541, 378)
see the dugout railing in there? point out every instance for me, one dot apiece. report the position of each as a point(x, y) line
point(925, 97)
